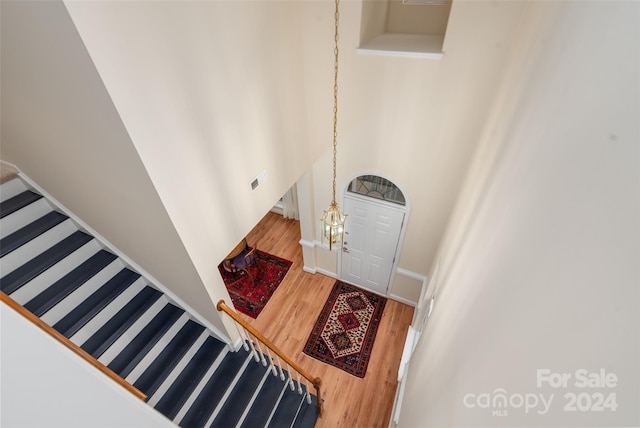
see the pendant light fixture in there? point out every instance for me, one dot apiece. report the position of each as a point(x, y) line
point(332, 221)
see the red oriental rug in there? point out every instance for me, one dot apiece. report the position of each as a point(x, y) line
point(249, 298)
point(344, 333)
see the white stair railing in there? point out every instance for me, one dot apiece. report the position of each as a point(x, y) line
point(258, 345)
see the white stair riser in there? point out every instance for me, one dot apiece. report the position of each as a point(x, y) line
point(90, 328)
point(249, 360)
point(164, 387)
point(11, 188)
point(254, 397)
point(47, 278)
point(133, 330)
point(157, 349)
point(36, 246)
point(19, 219)
point(196, 392)
point(69, 303)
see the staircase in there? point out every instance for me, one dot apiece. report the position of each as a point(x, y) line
point(65, 277)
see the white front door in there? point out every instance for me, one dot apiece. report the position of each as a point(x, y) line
point(373, 232)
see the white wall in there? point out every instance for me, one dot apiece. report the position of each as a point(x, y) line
point(60, 390)
point(414, 121)
point(417, 18)
point(211, 94)
point(539, 267)
point(61, 128)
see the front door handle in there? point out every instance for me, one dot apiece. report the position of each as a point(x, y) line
point(345, 250)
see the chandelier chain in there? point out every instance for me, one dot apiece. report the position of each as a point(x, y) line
point(335, 100)
point(333, 221)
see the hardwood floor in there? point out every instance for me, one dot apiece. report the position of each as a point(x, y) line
point(288, 319)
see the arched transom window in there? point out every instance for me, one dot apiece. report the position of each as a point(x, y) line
point(378, 188)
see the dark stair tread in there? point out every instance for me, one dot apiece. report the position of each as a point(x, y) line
point(189, 378)
point(50, 297)
point(264, 404)
point(92, 305)
point(292, 408)
point(30, 231)
point(101, 340)
point(145, 340)
point(34, 267)
point(241, 395)
point(18, 202)
point(287, 410)
point(308, 414)
point(165, 362)
point(214, 390)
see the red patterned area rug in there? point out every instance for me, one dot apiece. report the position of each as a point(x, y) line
point(344, 333)
point(250, 298)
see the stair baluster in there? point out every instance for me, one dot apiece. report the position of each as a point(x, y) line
point(272, 367)
point(250, 332)
point(280, 367)
point(263, 360)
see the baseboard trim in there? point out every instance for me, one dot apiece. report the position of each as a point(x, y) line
point(415, 276)
point(134, 266)
point(307, 244)
point(326, 273)
point(412, 275)
point(399, 271)
point(403, 300)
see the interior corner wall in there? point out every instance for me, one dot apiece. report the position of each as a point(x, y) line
point(413, 120)
point(538, 274)
point(407, 287)
point(417, 18)
point(373, 21)
point(60, 127)
point(211, 94)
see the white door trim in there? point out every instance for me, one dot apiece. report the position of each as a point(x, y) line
point(406, 209)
